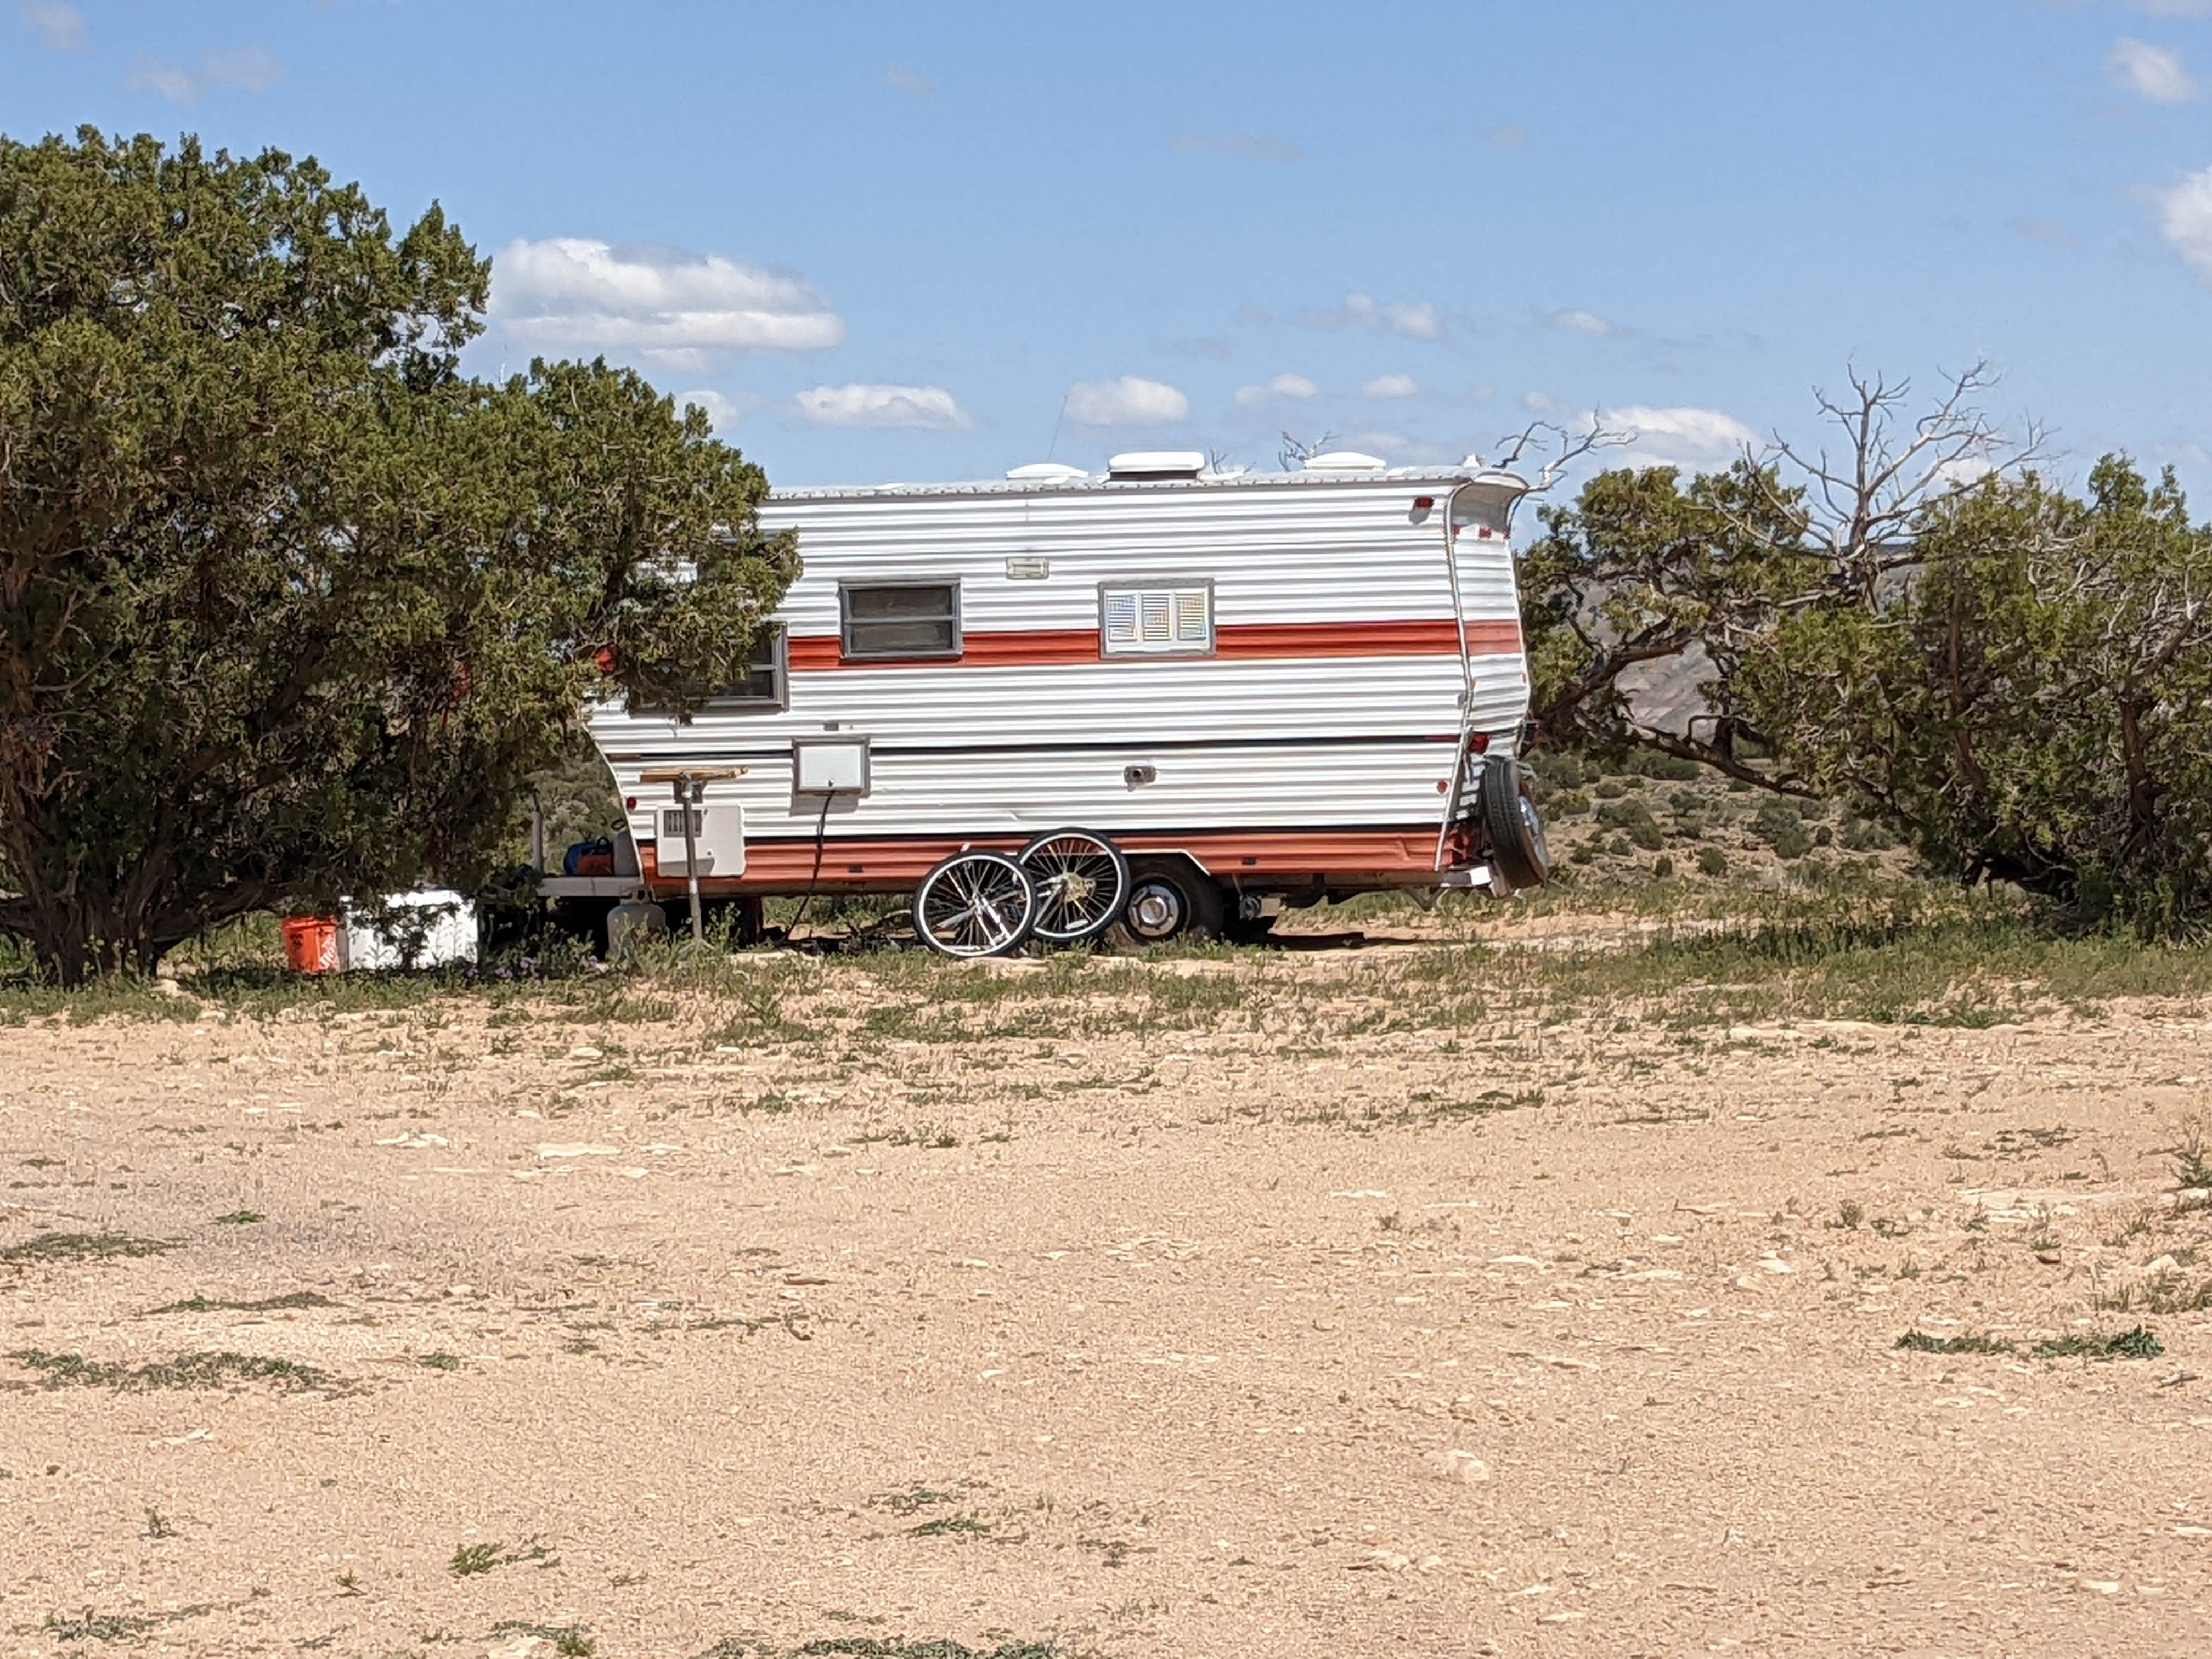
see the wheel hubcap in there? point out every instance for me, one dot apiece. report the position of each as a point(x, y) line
point(1155, 910)
point(1535, 829)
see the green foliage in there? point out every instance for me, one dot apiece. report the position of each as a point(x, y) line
point(1782, 827)
point(1568, 803)
point(1633, 819)
point(2008, 678)
point(289, 607)
point(1711, 861)
point(2030, 707)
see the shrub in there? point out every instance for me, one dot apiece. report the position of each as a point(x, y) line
point(1634, 820)
point(1781, 827)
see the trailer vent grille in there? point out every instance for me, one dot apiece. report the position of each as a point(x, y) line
point(1157, 621)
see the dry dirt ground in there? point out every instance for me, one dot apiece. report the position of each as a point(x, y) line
point(1204, 1307)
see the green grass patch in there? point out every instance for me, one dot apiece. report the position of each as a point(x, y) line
point(2139, 1343)
point(1922, 1342)
point(284, 1303)
point(189, 1370)
point(470, 1560)
point(82, 1246)
point(951, 1526)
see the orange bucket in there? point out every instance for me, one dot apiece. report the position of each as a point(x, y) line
point(311, 945)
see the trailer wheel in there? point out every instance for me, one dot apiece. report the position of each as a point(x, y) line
point(975, 904)
point(1518, 847)
point(1082, 882)
point(1170, 899)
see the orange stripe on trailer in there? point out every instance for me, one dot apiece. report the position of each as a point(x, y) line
point(788, 866)
point(1375, 639)
point(1043, 647)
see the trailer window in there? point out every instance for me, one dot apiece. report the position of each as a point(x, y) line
point(766, 687)
point(767, 684)
point(906, 619)
point(1146, 620)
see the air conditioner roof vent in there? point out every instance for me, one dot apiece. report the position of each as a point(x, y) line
point(1157, 464)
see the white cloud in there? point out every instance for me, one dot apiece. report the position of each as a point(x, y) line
point(916, 408)
point(1129, 401)
point(1391, 386)
point(61, 26)
point(229, 69)
point(899, 78)
point(1415, 320)
point(1289, 388)
point(1246, 146)
point(572, 293)
point(1582, 322)
point(2153, 74)
point(723, 413)
point(1695, 440)
point(2184, 220)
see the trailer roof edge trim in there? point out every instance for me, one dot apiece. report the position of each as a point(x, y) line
point(1506, 483)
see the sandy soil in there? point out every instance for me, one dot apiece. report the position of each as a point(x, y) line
point(1280, 1333)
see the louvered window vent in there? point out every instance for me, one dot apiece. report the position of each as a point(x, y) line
point(1149, 620)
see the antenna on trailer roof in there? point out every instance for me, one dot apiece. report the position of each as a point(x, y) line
point(1057, 419)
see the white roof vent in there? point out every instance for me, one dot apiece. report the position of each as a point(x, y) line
point(1157, 464)
point(1047, 469)
point(1345, 460)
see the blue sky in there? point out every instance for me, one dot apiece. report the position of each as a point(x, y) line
point(937, 241)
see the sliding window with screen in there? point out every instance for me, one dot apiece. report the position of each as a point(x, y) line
point(765, 690)
point(1142, 619)
point(889, 620)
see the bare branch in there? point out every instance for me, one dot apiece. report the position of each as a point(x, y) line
point(1573, 443)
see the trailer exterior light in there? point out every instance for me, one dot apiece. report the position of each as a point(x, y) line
point(629, 803)
point(1479, 743)
point(1423, 503)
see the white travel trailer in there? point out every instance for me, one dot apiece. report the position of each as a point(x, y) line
point(1169, 697)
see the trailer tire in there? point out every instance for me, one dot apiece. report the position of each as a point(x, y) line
point(1170, 899)
point(1518, 851)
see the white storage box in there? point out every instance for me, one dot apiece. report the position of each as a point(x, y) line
point(430, 929)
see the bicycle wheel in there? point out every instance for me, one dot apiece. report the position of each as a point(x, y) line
point(1082, 882)
point(975, 904)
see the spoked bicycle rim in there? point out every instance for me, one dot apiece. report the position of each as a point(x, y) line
point(975, 904)
point(1082, 882)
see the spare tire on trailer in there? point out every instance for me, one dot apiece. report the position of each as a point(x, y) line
point(1509, 824)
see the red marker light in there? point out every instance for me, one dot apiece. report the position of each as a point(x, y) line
point(629, 803)
point(1480, 743)
point(1423, 503)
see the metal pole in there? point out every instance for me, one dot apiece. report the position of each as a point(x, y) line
point(689, 792)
